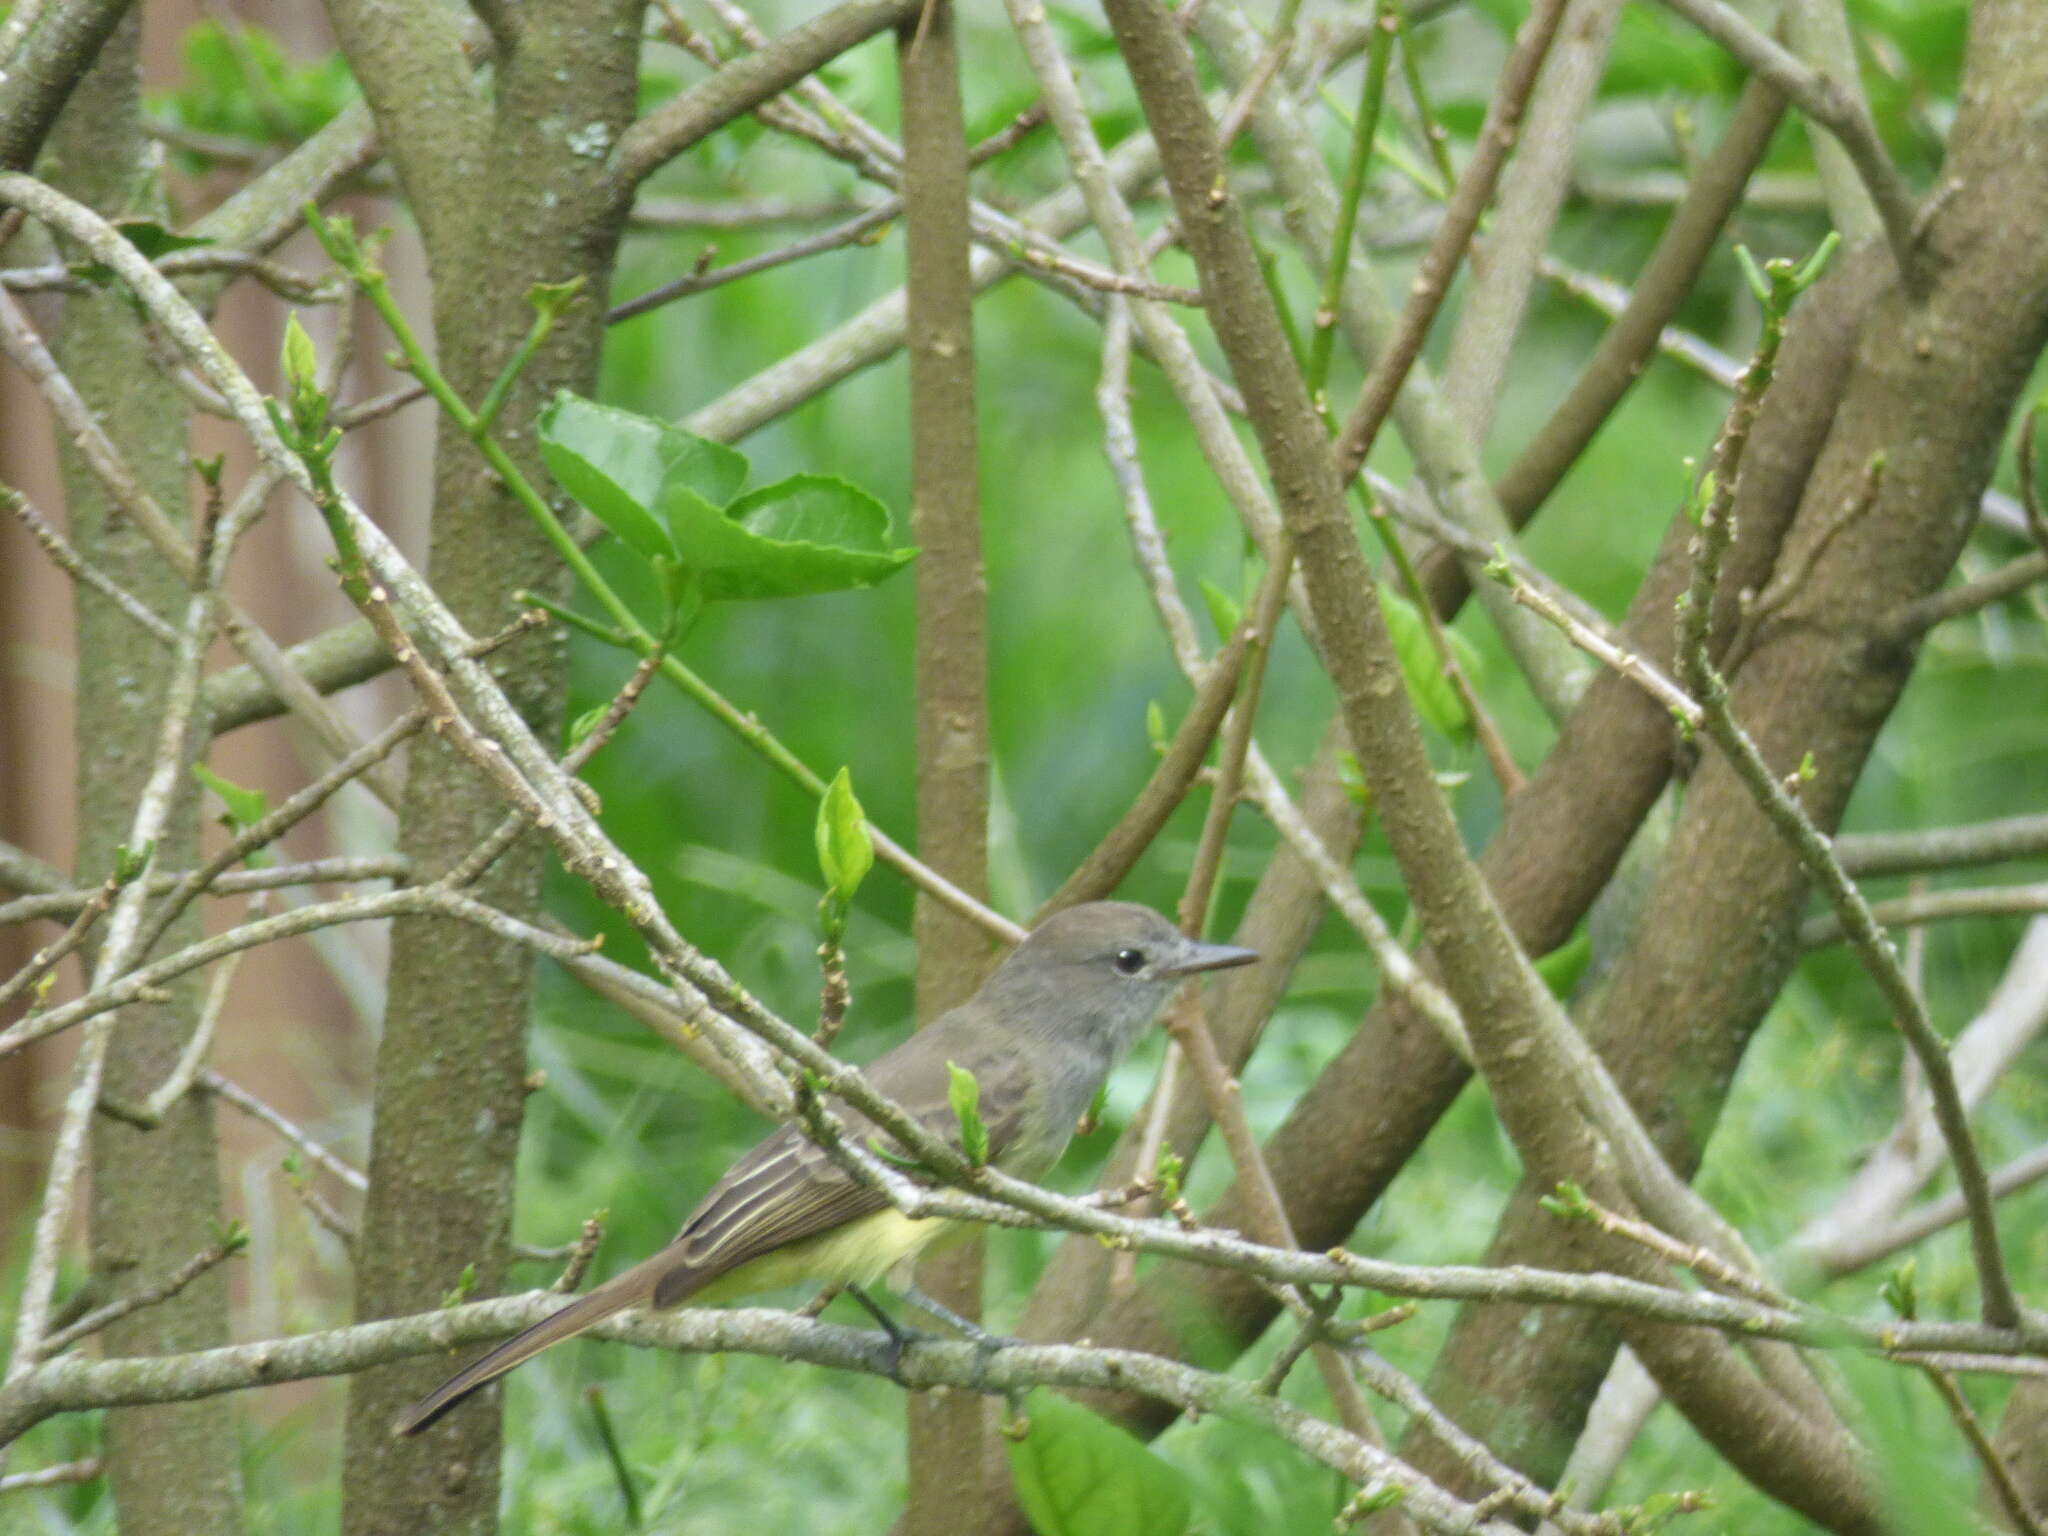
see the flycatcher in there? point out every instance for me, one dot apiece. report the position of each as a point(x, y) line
point(1040, 1037)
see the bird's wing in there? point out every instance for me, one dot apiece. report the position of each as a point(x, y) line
point(787, 1189)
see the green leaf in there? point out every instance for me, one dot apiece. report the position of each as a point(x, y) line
point(964, 1094)
point(609, 461)
point(1225, 611)
point(581, 727)
point(148, 237)
point(1352, 777)
point(301, 363)
point(845, 851)
point(618, 463)
point(1435, 699)
point(460, 1292)
point(1901, 1291)
point(1091, 1118)
point(153, 240)
point(245, 807)
point(242, 84)
point(1563, 966)
point(1079, 1475)
point(809, 533)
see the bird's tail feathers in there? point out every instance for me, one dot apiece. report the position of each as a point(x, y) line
point(624, 1290)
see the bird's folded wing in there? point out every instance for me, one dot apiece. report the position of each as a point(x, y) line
point(787, 1189)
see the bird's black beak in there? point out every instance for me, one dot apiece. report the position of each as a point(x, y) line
point(1213, 957)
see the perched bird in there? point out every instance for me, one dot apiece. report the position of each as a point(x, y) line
point(1040, 1038)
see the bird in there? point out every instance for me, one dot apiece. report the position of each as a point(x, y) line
point(1040, 1037)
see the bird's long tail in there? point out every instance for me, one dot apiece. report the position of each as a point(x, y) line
point(620, 1292)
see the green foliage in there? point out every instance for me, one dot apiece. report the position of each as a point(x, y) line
point(1562, 968)
point(675, 499)
point(1078, 1475)
point(1655, 53)
point(963, 1092)
point(1225, 611)
point(845, 851)
point(803, 535)
point(148, 237)
point(1429, 687)
point(239, 82)
point(243, 807)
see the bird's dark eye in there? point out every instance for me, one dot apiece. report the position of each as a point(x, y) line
point(1130, 961)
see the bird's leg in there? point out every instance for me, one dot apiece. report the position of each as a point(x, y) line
point(820, 1302)
point(985, 1344)
point(899, 1336)
point(931, 1306)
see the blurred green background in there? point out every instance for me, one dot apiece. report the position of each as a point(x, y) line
point(624, 1125)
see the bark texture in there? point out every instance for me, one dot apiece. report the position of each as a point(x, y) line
point(155, 1194)
point(1931, 388)
point(515, 199)
point(951, 1441)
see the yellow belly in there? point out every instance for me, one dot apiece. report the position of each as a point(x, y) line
point(859, 1253)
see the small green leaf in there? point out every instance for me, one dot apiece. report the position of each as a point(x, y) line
point(1166, 1173)
point(1352, 777)
point(301, 363)
point(581, 727)
point(1091, 1120)
point(1569, 1202)
point(1079, 1475)
point(148, 237)
point(1383, 1498)
point(1225, 611)
point(845, 851)
point(153, 240)
point(1435, 699)
point(889, 1154)
point(464, 1284)
point(806, 534)
point(549, 300)
point(1563, 966)
point(1901, 1290)
point(1155, 725)
point(964, 1094)
point(129, 863)
point(612, 462)
point(245, 807)
point(1752, 274)
point(1702, 498)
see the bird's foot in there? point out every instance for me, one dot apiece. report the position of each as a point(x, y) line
point(900, 1337)
point(971, 1331)
point(986, 1344)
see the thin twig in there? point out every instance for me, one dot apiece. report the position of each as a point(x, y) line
point(1638, 669)
point(1453, 238)
point(149, 1296)
point(83, 571)
point(1934, 907)
point(212, 1082)
point(51, 955)
point(858, 230)
point(55, 1476)
point(1996, 1471)
point(1836, 107)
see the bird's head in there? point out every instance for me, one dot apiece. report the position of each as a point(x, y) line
point(1101, 972)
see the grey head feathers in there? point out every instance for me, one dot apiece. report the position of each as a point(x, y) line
point(1097, 975)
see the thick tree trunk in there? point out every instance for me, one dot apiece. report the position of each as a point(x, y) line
point(950, 1435)
point(514, 202)
point(1931, 390)
point(156, 1193)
